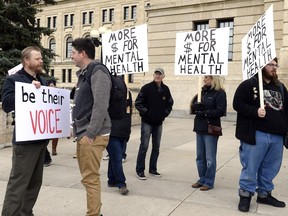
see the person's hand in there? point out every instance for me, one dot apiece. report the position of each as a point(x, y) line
point(200, 113)
point(37, 84)
point(198, 107)
point(261, 112)
point(89, 140)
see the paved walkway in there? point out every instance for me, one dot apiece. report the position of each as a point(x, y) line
point(172, 195)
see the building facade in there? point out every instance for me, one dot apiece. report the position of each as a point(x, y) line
point(72, 19)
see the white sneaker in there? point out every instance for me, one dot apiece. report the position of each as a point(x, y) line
point(106, 157)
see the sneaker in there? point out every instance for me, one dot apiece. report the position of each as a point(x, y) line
point(123, 160)
point(270, 200)
point(47, 163)
point(155, 174)
point(106, 157)
point(123, 190)
point(244, 204)
point(75, 156)
point(141, 176)
point(112, 185)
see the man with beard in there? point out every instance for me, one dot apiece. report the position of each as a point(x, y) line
point(260, 131)
point(28, 156)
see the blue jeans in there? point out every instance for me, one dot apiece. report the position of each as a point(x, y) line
point(115, 169)
point(146, 131)
point(260, 164)
point(206, 158)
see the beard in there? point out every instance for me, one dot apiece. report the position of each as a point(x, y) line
point(37, 68)
point(269, 76)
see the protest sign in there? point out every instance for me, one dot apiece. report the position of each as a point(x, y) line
point(41, 113)
point(126, 51)
point(258, 46)
point(202, 52)
point(15, 69)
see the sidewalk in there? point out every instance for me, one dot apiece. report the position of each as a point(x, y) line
point(172, 195)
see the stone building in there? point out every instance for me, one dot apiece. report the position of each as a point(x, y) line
point(76, 18)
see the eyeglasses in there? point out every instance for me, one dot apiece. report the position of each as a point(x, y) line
point(273, 65)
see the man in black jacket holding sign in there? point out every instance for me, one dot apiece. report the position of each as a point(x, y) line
point(260, 131)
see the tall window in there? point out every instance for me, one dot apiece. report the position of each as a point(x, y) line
point(48, 22)
point(230, 24)
point(38, 22)
point(126, 13)
point(87, 17)
point(69, 75)
point(54, 22)
point(52, 45)
point(107, 15)
point(63, 75)
point(68, 20)
point(201, 25)
point(52, 72)
point(69, 47)
point(133, 12)
point(129, 12)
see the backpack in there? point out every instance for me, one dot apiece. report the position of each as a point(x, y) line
point(118, 94)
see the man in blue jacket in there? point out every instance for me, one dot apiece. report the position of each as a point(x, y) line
point(28, 156)
point(154, 103)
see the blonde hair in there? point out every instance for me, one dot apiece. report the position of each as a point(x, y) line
point(26, 53)
point(217, 82)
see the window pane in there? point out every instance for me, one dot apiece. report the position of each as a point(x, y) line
point(84, 18)
point(48, 22)
point(68, 47)
point(201, 26)
point(230, 24)
point(111, 15)
point(54, 21)
point(104, 16)
point(66, 20)
point(91, 17)
point(52, 45)
point(63, 75)
point(69, 75)
point(133, 12)
point(71, 19)
point(126, 13)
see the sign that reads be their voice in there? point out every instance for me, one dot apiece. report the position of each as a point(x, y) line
point(126, 51)
point(202, 52)
point(258, 46)
point(41, 113)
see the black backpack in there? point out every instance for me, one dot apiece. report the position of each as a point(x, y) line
point(118, 94)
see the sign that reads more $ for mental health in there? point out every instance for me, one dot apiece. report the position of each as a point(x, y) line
point(202, 52)
point(126, 51)
point(41, 113)
point(258, 46)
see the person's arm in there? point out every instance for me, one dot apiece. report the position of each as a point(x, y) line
point(101, 88)
point(170, 103)
point(140, 103)
point(8, 95)
point(220, 106)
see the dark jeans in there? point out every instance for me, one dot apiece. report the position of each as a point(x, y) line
point(146, 131)
point(115, 169)
point(25, 179)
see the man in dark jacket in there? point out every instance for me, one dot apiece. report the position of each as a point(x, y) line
point(119, 136)
point(28, 156)
point(260, 131)
point(154, 103)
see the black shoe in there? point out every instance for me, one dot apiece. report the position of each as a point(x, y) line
point(112, 185)
point(270, 200)
point(156, 174)
point(47, 163)
point(141, 176)
point(244, 204)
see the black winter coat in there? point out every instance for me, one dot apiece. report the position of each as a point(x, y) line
point(154, 104)
point(214, 106)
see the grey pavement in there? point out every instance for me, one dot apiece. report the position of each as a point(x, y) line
point(63, 195)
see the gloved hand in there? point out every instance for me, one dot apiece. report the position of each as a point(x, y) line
point(200, 113)
point(198, 107)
